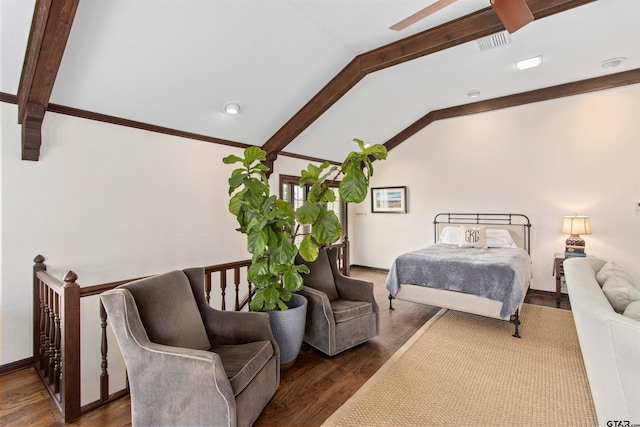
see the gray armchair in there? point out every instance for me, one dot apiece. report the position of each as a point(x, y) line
point(342, 311)
point(187, 363)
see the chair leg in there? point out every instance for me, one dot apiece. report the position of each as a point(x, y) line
point(391, 302)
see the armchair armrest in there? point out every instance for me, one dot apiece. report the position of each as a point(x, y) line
point(318, 303)
point(237, 327)
point(354, 289)
point(157, 383)
point(321, 325)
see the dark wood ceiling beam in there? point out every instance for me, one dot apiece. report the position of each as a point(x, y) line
point(50, 29)
point(454, 33)
point(344, 81)
point(468, 28)
point(576, 88)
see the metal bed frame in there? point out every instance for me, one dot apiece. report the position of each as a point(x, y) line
point(499, 220)
point(519, 223)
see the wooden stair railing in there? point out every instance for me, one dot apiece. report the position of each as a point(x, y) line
point(56, 330)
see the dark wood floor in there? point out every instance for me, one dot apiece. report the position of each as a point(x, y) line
point(310, 390)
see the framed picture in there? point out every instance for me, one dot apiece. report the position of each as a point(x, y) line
point(389, 200)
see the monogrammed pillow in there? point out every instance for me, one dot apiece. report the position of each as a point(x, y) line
point(473, 237)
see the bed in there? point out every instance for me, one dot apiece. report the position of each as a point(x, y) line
point(479, 264)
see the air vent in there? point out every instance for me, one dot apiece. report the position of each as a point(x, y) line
point(494, 40)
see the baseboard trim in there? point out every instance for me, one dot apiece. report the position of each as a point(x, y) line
point(542, 293)
point(16, 366)
point(385, 270)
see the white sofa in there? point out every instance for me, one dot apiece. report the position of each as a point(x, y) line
point(610, 344)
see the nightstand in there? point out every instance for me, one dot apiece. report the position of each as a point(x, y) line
point(558, 271)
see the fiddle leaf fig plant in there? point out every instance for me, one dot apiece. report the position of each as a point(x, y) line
point(272, 225)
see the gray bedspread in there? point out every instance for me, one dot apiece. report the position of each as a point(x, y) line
point(500, 274)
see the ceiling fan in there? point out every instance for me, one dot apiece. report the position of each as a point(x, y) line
point(514, 14)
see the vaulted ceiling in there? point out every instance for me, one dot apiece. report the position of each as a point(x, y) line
point(310, 75)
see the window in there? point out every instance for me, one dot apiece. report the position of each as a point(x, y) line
point(291, 192)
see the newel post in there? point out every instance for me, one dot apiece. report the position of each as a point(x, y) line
point(70, 390)
point(38, 307)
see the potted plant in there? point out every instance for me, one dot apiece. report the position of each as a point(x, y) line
point(272, 225)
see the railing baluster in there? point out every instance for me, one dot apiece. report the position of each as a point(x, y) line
point(43, 334)
point(104, 349)
point(52, 334)
point(47, 337)
point(207, 286)
point(236, 282)
point(223, 288)
point(57, 371)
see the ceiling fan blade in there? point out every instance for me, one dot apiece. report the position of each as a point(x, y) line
point(514, 14)
point(421, 14)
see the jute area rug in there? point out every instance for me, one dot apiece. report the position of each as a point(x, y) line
point(465, 370)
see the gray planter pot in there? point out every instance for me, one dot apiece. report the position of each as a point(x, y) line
point(288, 327)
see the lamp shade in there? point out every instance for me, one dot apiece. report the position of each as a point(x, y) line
point(576, 225)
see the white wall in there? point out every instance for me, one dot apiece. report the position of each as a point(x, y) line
point(110, 203)
point(545, 160)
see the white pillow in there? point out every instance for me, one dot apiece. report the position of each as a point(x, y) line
point(473, 237)
point(499, 238)
point(633, 311)
point(450, 235)
point(609, 269)
point(620, 292)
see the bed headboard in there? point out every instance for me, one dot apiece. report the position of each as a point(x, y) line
point(517, 224)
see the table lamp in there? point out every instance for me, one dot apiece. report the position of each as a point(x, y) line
point(575, 226)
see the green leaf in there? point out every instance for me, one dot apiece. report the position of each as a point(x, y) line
point(360, 143)
point(251, 154)
point(257, 302)
point(282, 306)
point(292, 280)
point(284, 251)
point(327, 228)
point(285, 209)
point(260, 167)
point(236, 179)
point(231, 159)
point(308, 213)
point(257, 241)
point(234, 204)
point(301, 268)
point(378, 151)
point(308, 248)
point(258, 268)
point(354, 185)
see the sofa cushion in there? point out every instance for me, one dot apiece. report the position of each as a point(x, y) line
point(344, 310)
point(633, 311)
point(595, 263)
point(620, 291)
point(611, 268)
point(242, 362)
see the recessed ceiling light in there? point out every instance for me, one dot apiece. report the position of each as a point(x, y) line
point(529, 63)
point(612, 63)
point(473, 94)
point(232, 107)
